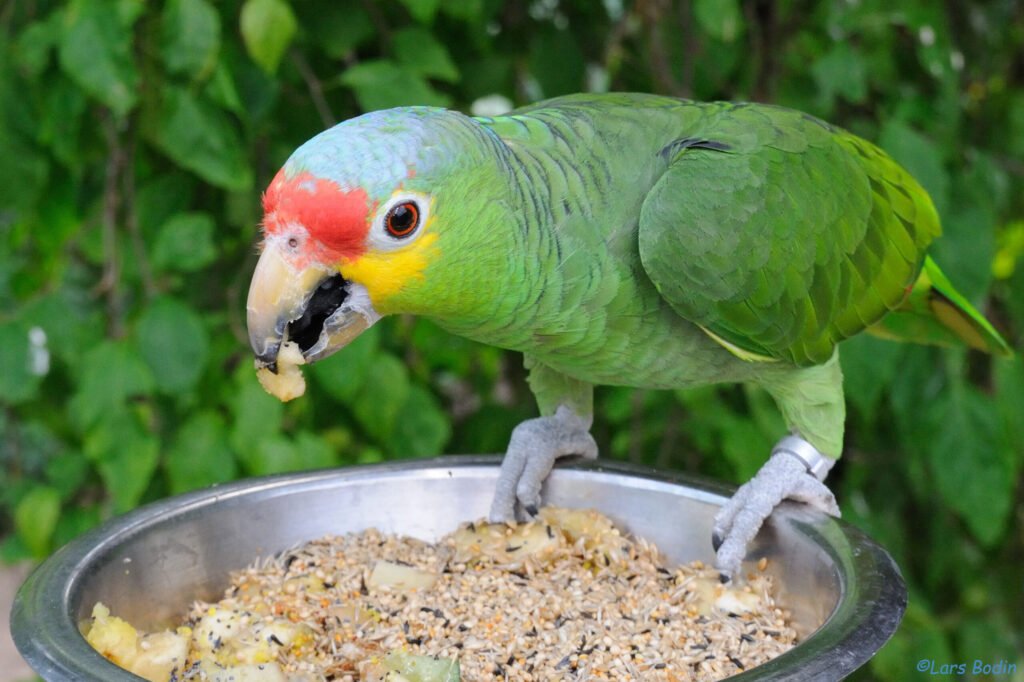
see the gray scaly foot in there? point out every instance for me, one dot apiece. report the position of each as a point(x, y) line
point(795, 471)
point(532, 451)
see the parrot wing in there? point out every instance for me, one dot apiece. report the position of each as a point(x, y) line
point(781, 235)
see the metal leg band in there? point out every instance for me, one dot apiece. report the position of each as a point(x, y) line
point(818, 465)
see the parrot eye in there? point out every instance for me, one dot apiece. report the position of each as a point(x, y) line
point(402, 219)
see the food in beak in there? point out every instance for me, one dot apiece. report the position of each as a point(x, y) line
point(287, 383)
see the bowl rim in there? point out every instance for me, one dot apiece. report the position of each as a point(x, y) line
point(49, 639)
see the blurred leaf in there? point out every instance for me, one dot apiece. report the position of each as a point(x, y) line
point(18, 382)
point(60, 125)
point(384, 392)
point(74, 521)
point(342, 375)
point(971, 462)
point(338, 27)
point(720, 19)
point(423, 429)
point(199, 137)
point(841, 72)
point(23, 171)
point(381, 84)
point(185, 243)
point(268, 27)
point(32, 48)
point(66, 473)
point(422, 10)
point(921, 157)
point(556, 62)
point(281, 455)
point(869, 364)
point(111, 372)
point(257, 414)
point(966, 249)
point(200, 455)
point(125, 453)
point(96, 51)
point(173, 343)
point(35, 519)
point(221, 90)
point(919, 638)
point(466, 10)
point(190, 32)
point(418, 51)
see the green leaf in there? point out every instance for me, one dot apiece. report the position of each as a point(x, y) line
point(869, 364)
point(381, 84)
point(556, 61)
point(842, 72)
point(111, 372)
point(337, 27)
point(257, 414)
point(418, 51)
point(342, 374)
point(423, 428)
point(920, 637)
point(197, 136)
point(67, 473)
point(268, 27)
point(23, 171)
point(126, 455)
point(422, 11)
point(200, 455)
point(19, 381)
point(96, 51)
point(720, 19)
point(185, 243)
point(74, 521)
point(971, 461)
point(384, 393)
point(32, 48)
point(966, 249)
point(174, 343)
point(919, 155)
point(35, 519)
point(279, 455)
point(190, 37)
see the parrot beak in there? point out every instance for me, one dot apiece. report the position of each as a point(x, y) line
point(313, 306)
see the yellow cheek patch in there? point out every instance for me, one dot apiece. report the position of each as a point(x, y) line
point(385, 273)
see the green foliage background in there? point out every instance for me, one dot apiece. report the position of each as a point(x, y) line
point(135, 138)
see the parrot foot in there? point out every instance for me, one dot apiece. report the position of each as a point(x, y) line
point(795, 471)
point(532, 451)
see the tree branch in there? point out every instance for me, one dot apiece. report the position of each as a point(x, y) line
point(110, 283)
point(132, 220)
point(316, 89)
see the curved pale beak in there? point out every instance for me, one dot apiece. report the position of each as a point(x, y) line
point(313, 306)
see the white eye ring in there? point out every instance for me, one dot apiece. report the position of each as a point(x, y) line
point(383, 238)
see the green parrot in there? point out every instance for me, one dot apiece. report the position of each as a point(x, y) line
point(619, 239)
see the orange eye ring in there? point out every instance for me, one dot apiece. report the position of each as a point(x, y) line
point(402, 219)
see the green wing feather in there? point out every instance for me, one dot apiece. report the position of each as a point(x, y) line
point(936, 313)
point(781, 235)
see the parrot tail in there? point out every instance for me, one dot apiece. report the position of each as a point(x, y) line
point(935, 313)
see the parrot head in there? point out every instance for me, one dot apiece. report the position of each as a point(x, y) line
point(351, 224)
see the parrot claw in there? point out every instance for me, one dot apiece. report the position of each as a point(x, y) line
point(786, 475)
point(532, 451)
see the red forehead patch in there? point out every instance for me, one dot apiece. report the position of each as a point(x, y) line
point(337, 219)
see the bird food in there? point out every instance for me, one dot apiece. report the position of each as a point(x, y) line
point(287, 383)
point(565, 597)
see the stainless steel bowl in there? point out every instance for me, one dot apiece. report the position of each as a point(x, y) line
point(846, 594)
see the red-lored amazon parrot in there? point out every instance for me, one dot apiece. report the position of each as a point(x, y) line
point(620, 239)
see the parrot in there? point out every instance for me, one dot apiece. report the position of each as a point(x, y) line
point(619, 239)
